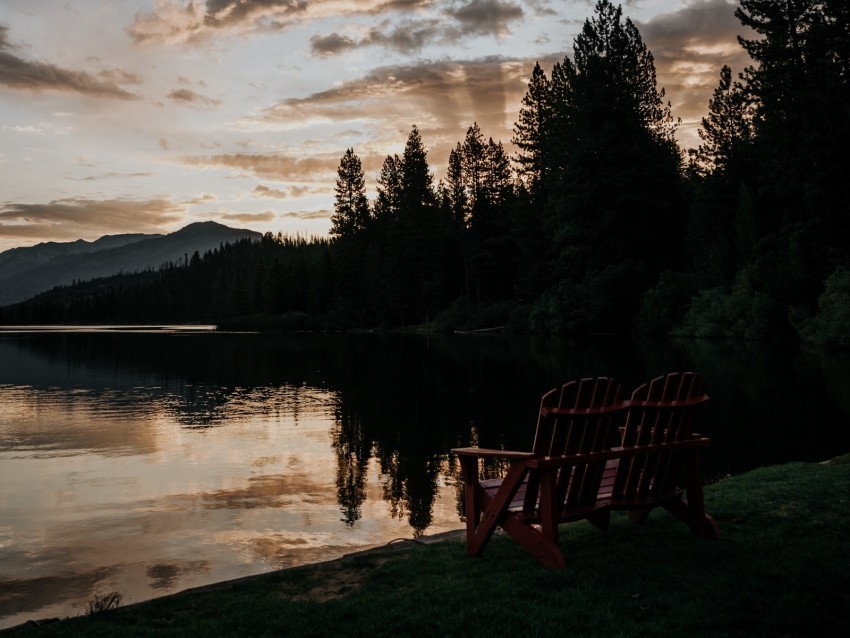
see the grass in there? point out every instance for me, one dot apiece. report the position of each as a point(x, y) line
point(781, 569)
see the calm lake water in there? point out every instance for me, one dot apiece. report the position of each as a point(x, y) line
point(146, 462)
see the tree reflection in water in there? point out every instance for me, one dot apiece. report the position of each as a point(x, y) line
point(352, 456)
point(405, 401)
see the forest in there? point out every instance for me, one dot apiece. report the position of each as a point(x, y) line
point(599, 223)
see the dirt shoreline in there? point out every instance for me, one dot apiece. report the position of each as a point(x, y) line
point(392, 547)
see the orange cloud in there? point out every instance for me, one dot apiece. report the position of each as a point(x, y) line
point(75, 218)
point(274, 166)
point(308, 214)
point(247, 218)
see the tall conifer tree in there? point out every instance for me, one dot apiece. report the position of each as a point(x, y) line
point(351, 208)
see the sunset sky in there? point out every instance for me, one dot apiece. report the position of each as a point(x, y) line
point(121, 116)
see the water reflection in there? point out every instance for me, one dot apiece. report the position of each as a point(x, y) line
point(151, 462)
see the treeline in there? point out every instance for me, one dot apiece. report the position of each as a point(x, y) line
point(599, 223)
point(272, 277)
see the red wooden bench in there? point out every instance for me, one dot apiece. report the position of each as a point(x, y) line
point(593, 453)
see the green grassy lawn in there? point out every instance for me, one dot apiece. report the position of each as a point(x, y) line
point(782, 568)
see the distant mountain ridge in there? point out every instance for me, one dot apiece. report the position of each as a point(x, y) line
point(26, 272)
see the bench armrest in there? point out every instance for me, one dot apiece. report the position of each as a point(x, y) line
point(620, 452)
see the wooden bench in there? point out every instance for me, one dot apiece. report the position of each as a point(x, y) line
point(593, 452)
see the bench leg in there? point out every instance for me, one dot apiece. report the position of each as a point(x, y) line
point(692, 511)
point(485, 513)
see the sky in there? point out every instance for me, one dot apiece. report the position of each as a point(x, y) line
point(132, 116)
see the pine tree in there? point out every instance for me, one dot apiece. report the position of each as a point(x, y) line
point(351, 208)
point(388, 202)
point(726, 128)
point(455, 188)
point(614, 206)
point(530, 132)
point(777, 82)
point(473, 163)
point(417, 181)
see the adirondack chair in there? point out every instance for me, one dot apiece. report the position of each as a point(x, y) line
point(660, 453)
point(557, 481)
point(574, 471)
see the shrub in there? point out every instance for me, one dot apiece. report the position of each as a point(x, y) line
point(830, 326)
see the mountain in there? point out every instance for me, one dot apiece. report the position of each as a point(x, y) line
point(18, 260)
point(25, 272)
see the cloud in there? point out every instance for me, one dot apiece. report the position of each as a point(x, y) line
point(442, 97)
point(290, 191)
point(42, 128)
point(407, 37)
point(111, 175)
point(26, 75)
point(265, 191)
point(332, 44)
point(308, 214)
point(247, 218)
point(202, 199)
point(479, 17)
point(73, 218)
point(542, 7)
point(187, 96)
point(173, 22)
point(487, 16)
point(273, 166)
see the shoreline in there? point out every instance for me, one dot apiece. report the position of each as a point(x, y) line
point(394, 546)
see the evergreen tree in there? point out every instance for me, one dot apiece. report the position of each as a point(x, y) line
point(801, 90)
point(473, 159)
point(388, 202)
point(726, 128)
point(615, 208)
point(351, 208)
point(530, 132)
point(417, 181)
point(421, 234)
point(455, 187)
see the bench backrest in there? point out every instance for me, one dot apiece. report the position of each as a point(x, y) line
point(579, 418)
point(660, 412)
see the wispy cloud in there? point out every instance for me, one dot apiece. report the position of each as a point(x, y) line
point(405, 37)
point(442, 97)
point(285, 193)
point(189, 97)
point(487, 16)
point(28, 75)
point(308, 214)
point(451, 25)
point(248, 218)
point(173, 22)
point(74, 218)
point(414, 23)
point(111, 175)
point(274, 166)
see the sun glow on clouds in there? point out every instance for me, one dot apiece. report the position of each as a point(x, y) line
point(253, 102)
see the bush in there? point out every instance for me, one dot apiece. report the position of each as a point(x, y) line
point(665, 304)
point(830, 326)
point(740, 312)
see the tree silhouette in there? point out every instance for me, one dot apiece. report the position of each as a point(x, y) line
point(351, 208)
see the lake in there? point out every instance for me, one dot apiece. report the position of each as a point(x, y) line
point(152, 460)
